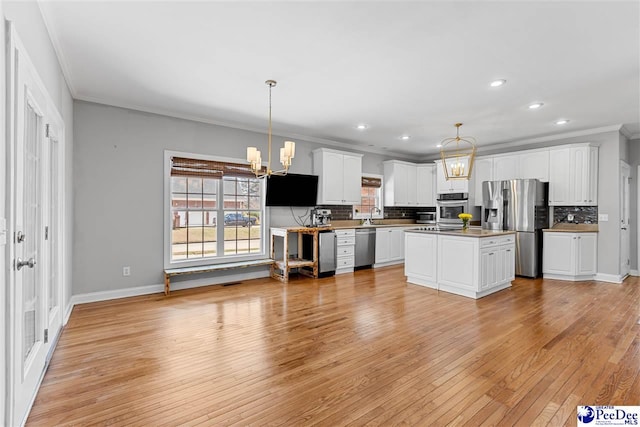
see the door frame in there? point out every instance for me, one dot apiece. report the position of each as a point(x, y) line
point(625, 201)
point(16, 48)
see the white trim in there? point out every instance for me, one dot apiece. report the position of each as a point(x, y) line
point(610, 278)
point(55, 42)
point(634, 273)
point(159, 288)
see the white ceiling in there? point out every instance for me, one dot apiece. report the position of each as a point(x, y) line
point(410, 68)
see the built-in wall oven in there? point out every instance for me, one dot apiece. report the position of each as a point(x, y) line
point(449, 206)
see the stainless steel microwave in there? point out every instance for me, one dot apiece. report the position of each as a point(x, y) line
point(426, 217)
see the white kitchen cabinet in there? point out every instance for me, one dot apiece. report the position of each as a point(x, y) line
point(506, 167)
point(340, 176)
point(460, 263)
point(497, 263)
point(573, 175)
point(569, 256)
point(426, 185)
point(408, 184)
point(534, 164)
point(389, 245)
point(449, 186)
point(421, 255)
point(345, 250)
point(482, 171)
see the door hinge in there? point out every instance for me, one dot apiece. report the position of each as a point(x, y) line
point(46, 232)
point(46, 336)
point(47, 129)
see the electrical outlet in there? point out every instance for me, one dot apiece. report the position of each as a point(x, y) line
point(570, 217)
point(126, 271)
point(603, 217)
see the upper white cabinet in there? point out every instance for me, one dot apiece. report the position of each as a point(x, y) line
point(506, 167)
point(482, 171)
point(449, 186)
point(573, 176)
point(425, 181)
point(530, 164)
point(534, 164)
point(408, 184)
point(340, 176)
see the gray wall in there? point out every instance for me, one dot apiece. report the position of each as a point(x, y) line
point(118, 187)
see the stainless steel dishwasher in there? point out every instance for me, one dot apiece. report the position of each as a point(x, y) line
point(365, 247)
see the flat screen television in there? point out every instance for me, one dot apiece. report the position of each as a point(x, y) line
point(292, 190)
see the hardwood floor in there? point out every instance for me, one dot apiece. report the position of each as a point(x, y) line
point(354, 349)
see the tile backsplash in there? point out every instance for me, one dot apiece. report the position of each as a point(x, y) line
point(345, 212)
point(581, 214)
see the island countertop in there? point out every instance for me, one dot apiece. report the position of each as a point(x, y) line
point(471, 232)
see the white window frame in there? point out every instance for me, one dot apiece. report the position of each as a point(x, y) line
point(365, 215)
point(168, 220)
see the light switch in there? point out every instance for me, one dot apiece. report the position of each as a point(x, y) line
point(603, 217)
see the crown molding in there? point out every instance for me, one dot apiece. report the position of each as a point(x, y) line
point(241, 126)
point(55, 42)
point(554, 137)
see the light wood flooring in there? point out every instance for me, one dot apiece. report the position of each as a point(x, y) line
point(358, 349)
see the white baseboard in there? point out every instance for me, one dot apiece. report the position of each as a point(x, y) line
point(611, 278)
point(159, 288)
point(634, 273)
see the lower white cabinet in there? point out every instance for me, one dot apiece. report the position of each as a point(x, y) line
point(345, 250)
point(569, 256)
point(421, 255)
point(390, 245)
point(469, 266)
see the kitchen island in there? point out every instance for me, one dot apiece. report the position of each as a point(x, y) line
point(472, 263)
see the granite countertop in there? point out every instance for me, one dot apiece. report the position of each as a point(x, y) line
point(471, 232)
point(570, 227)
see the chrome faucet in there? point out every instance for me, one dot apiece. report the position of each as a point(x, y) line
point(369, 221)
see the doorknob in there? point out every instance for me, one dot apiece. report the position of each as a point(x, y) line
point(20, 263)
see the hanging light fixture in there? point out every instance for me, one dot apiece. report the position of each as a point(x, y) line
point(286, 153)
point(457, 155)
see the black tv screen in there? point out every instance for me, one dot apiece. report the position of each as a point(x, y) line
point(292, 190)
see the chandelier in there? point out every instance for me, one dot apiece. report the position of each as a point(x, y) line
point(457, 155)
point(286, 153)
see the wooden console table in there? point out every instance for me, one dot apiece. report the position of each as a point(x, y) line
point(280, 269)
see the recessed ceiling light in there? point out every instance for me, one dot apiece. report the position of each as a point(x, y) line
point(535, 105)
point(370, 145)
point(439, 146)
point(405, 137)
point(497, 83)
point(362, 126)
point(562, 122)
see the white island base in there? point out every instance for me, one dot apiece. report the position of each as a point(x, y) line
point(473, 264)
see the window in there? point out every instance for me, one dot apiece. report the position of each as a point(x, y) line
point(370, 198)
point(216, 211)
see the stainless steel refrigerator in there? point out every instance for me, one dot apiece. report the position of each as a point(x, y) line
point(520, 205)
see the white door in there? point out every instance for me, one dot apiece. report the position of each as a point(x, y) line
point(28, 297)
point(625, 215)
point(52, 228)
